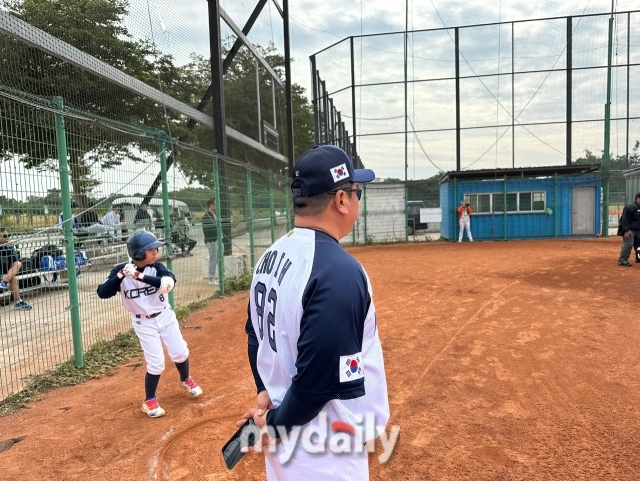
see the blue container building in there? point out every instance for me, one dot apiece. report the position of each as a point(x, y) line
point(524, 203)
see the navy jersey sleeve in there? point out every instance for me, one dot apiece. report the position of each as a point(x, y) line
point(335, 304)
point(111, 286)
point(252, 351)
point(162, 271)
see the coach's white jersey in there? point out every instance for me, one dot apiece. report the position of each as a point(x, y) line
point(140, 298)
point(311, 310)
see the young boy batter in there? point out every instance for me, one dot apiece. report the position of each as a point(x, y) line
point(144, 284)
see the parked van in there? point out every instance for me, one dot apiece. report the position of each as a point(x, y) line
point(129, 207)
point(413, 216)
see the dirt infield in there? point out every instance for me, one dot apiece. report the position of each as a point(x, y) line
point(505, 360)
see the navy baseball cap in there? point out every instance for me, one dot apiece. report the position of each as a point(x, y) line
point(323, 168)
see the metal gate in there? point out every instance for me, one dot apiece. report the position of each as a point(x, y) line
point(583, 210)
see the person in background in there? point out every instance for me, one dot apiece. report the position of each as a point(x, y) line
point(210, 230)
point(111, 221)
point(143, 219)
point(90, 222)
point(180, 236)
point(9, 268)
point(464, 213)
point(630, 227)
point(76, 224)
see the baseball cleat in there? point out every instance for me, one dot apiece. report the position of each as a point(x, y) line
point(152, 409)
point(190, 385)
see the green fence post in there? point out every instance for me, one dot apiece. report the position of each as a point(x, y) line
point(454, 217)
point(287, 206)
point(250, 202)
point(216, 186)
point(353, 234)
point(504, 209)
point(272, 214)
point(165, 211)
point(74, 303)
point(364, 194)
point(555, 205)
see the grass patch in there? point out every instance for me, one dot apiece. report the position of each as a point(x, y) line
point(100, 359)
point(182, 312)
point(242, 283)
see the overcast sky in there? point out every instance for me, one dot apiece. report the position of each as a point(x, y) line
point(180, 28)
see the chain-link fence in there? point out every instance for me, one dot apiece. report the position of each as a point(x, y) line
point(110, 180)
point(483, 97)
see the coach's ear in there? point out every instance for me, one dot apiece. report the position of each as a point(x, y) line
point(341, 202)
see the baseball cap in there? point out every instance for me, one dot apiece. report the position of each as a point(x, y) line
point(637, 195)
point(74, 204)
point(323, 168)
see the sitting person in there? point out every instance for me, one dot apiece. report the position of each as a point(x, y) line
point(143, 219)
point(180, 236)
point(111, 221)
point(89, 221)
point(9, 268)
point(76, 225)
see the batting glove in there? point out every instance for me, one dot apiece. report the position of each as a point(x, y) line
point(131, 272)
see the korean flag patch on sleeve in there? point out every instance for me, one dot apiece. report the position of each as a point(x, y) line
point(351, 367)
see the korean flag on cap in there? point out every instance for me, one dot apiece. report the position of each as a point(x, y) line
point(340, 173)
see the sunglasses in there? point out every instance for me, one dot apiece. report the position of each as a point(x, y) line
point(358, 191)
point(5, 235)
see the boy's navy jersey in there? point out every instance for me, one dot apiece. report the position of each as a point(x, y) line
point(312, 316)
point(138, 297)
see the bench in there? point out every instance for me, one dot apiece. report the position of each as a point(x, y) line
point(47, 275)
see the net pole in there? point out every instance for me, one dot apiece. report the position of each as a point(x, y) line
point(74, 303)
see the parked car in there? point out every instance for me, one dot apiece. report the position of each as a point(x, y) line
point(413, 216)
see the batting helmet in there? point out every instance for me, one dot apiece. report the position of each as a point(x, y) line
point(138, 242)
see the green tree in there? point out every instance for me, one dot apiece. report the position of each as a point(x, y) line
point(241, 108)
point(95, 27)
point(617, 182)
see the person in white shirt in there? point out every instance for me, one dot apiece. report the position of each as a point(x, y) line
point(464, 212)
point(111, 221)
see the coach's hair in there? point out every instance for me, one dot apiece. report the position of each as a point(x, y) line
point(315, 205)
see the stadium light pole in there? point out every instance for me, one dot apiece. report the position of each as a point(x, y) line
point(607, 135)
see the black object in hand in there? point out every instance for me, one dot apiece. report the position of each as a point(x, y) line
point(244, 437)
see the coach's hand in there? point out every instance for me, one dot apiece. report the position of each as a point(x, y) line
point(261, 422)
point(263, 402)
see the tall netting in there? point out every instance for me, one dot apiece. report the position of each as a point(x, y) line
point(121, 180)
point(127, 85)
point(486, 97)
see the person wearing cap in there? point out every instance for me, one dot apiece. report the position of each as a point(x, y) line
point(630, 223)
point(313, 342)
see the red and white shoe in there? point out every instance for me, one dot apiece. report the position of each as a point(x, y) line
point(152, 409)
point(190, 385)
